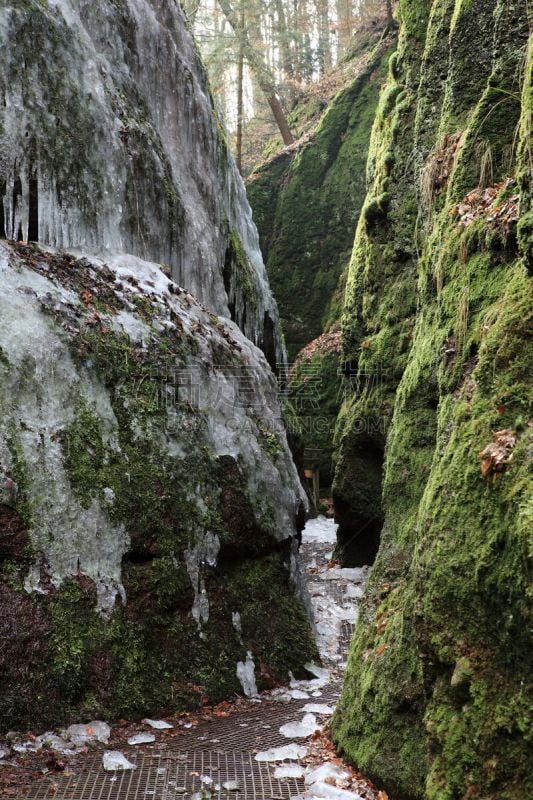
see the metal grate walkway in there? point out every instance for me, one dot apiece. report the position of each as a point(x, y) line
point(222, 749)
point(174, 776)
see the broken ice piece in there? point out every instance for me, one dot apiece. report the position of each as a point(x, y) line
point(141, 738)
point(328, 792)
point(92, 731)
point(115, 760)
point(286, 752)
point(57, 743)
point(318, 708)
point(298, 694)
point(300, 730)
point(289, 771)
point(318, 672)
point(325, 772)
point(3, 752)
point(158, 724)
point(206, 780)
point(231, 786)
point(27, 747)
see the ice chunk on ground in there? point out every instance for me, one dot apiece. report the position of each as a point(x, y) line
point(58, 743)
point(318, 672)
point(158, 724)
point(320, 529)
point(325, 772)
point(3, 752)
point(298, 694)
point(300, 730)
point(27, 747)
point(115, 760)
point(286, 752)
point(95, 731)
point(355, 574)
point(325, 791)
point(289, 771)
point(142, 738)
point(354, 590)
point(318, 708)
point(246, 674)
point(231, 786)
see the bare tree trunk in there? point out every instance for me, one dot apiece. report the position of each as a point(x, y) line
point(324, 44)
point(282, 35)
point(261, 71)
point(344, 24)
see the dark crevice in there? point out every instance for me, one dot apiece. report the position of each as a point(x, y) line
point(227, 274)
point(358, 507)
point(17, 192)
point(2, 210)
point(269, 342)
point(33, 211)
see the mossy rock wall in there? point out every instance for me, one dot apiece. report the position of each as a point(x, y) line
point(306, 202)
point(437, 694)
point(149, 504)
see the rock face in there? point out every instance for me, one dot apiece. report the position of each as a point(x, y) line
point(110, 142)
point(435, 455)
point(147, 494)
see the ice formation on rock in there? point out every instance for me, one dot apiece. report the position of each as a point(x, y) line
point(110, 143)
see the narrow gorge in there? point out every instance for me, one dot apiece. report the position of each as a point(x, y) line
point(197, 365)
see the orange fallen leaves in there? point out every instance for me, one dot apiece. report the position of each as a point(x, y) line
point(497, 454)
point(483, 203)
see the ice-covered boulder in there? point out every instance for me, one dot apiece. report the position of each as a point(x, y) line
point(147, 493)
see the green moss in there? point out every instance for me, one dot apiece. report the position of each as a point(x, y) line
point(306, 208)
point(438, 689)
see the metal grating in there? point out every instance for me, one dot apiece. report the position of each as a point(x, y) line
point(173, 776)
point(222, 749)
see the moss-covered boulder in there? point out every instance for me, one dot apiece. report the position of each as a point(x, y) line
point(437, 694)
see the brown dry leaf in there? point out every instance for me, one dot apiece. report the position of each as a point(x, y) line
point(497, 454)
point(381, 649)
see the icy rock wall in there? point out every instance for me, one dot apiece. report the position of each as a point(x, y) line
point(147, 494)
point(109, 141)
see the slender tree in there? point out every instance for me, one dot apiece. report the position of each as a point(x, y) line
point(240, 93)
point(260, 69)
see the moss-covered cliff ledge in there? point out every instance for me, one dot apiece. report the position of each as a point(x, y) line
point(437, 698)
point(306, 201)
point(148, 499)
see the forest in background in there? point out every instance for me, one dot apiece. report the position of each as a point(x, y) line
point(263, 55)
